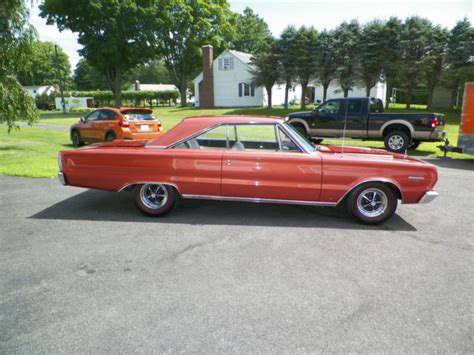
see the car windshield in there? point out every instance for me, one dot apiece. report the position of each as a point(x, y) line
point(139, 116)
point(302, 140)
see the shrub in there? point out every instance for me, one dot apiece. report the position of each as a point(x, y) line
point(80, 109)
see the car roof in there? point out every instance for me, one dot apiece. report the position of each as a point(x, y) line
point(126, 109)
point(193, 125)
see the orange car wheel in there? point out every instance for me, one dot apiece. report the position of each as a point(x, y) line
point(372, 203)
point(154, 199)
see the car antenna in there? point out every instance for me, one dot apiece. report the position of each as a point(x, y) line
point(345, 124)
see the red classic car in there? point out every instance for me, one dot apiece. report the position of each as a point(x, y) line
point(250, 159)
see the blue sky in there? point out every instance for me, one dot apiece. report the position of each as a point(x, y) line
point(318, 13)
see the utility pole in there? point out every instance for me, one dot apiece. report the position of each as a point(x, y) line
point(58, 70)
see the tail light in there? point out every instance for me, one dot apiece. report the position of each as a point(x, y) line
point(159, 124)
point(124, 124)
point(434, 123)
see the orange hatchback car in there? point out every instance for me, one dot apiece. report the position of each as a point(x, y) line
point(108, 124)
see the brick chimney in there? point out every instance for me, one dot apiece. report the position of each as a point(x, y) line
point(206, 86)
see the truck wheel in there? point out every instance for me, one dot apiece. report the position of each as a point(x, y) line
point(300, 128)
point(414, 144)
point(372, 203)
point(397, 141)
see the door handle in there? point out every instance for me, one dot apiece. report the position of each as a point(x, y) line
point(229, 162)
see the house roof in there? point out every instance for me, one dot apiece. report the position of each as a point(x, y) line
point(155, 87)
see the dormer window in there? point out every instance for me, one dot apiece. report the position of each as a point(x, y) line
point(226, 63)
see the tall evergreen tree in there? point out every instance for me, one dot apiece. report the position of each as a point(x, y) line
point(371, 54)
point(251, 32)
point(305, 63)
point(265, 68)
point(326, 60)
point(286, 48)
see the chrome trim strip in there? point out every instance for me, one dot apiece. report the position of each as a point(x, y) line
point(416, 178)
point(62, 178)
point(149, 182)
point(259, 200)
point(365, 182)
point(429, 196)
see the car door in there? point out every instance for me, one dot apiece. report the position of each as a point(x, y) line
point(86, 130)
point(354, 118)
point(328, 121)
point(106, 122)
point(260, 165)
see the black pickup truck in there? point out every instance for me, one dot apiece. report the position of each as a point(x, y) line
point(363, 118)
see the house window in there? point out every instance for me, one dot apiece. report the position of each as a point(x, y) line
point(226, 63)
point(246, 90)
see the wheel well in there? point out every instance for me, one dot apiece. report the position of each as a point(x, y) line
point(130, 187)
point(110, 131)
point(392, 186)
point(74, 130)
point(296, 124)
point(396, 127)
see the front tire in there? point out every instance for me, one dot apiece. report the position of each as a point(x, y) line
point(76, 139)
point(397, 141)
point(372, 203)
point(414, 144)
point(154, 199)
point(110, 136)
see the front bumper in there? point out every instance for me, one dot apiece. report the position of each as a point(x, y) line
point(429, 196)
point(62, 178)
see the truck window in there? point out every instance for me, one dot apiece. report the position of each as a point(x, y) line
point(354, 106)
point(330, 107)
point(376, 105)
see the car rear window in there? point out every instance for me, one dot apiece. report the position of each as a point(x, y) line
point(139, 116)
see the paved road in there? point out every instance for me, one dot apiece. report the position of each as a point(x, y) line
point(83, 271)
point(53, 127)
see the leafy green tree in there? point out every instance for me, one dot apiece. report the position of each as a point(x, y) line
point(86, 77)
point(152, 72)
point(16, 36)
point(43, 66)
point(415, 42)
point(190, 25)
point(390, 46)
point(305, 64)
point(436, 60)
point(286, 49)
point(116, 35)
point(371, 54)
point(347, 41)
point(251, 32)
point(326, 60)
point(265, 68)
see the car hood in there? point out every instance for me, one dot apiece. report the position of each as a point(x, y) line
point(300, 114)
point(366, 153)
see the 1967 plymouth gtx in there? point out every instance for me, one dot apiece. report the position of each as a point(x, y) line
point(250, 159)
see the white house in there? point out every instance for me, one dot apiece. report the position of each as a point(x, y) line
point(137, 86)
point(226, 81)
point(36, 90)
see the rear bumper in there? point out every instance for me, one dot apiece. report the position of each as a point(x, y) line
point(141, 135)
point(429, 196)
point(62, 178)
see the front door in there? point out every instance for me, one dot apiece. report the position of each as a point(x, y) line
point(263, 163)
point(87, 126)
point(328, 122)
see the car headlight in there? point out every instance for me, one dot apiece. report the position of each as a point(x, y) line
point(60, 162)
point(287, 118)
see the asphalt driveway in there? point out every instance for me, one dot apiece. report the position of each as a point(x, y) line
point(84, 271)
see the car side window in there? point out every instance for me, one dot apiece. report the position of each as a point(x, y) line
point(354, 106)
point(93, 116)
point(214, 139)
point(330, 107)
point(107, 115)
point(287, 145)
point(255, 137)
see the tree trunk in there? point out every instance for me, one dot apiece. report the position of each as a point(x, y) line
point(118, 89)
point(388, 93)
point(287, 88)
point(269, 95)
point(346, 91)
point(408, 103)
point(368, 86)
point(304, 87)
point(182, 90)
point(429, 104)
point(325, 90)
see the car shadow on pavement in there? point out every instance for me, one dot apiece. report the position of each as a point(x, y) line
point(450, 163)
point(94, 205)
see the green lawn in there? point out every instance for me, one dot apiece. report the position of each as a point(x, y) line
point(33, 151)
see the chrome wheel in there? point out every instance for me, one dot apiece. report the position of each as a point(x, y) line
point(372, 202)
point(396, 142)
point(153, 196)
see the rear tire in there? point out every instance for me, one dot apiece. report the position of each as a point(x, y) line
point(301, 129)
point(154, 199)
point(414, 144)
point(110, 136)
point(372, 203)
point(396, 141)
point(76, 139)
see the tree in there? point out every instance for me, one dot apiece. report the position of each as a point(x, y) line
point(391, 61)
point(16, 36)
point(87, 77)
point(326, 60)
point(152, 72)
point(415, 42)
point(305, 64)
point(188, 26)
point(286, 52)
point(43, 66)
point(347, 39)
point(265, 69)
point(371, 54)
point(436, 60)
point(251, 32)
point(116, 35)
